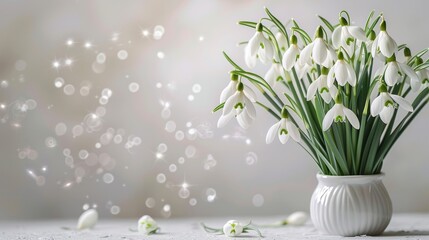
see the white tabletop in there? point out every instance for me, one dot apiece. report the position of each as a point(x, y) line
point(402, 226)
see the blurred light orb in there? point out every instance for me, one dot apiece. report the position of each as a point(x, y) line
point(133, 87)
point(59, 82)
point(251, 158)
point(191, 97)
point(106, 92)
point(184, 193)
point(201, 38)
point(210, 162)
point(172, 168)
point(77, 131)
point(117, 139)
point(68, 62)
point(85, 207)
point(88, 45)
point(161, 178)
point(190, 151)
point(31, 104)
point(50, 142)
point(162, 148)
point(192, 201)
point(56, 64)
point(181, 160)
point(108, 178)
point(150, 202)
point(170, 126)
point(69, 89)
point(158, 32)
point(115, 210)
point(210, 194)
point(196, 88)
point(258, 200)
point(100, 111)
point(101, 58)
point(69, 42)
point(98, 67)
point(83, 154)
point(66, 151)
point(160, 55)
point(122, 55)
point(179, 135)
point(60, 129)
point(145, 32)
point(4, 84)
point(158, 85)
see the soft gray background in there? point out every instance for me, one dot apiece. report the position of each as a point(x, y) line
point(36, 31)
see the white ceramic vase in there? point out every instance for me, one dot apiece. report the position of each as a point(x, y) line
point(351, 205)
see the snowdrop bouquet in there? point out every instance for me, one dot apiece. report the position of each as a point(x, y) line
point(326, 93)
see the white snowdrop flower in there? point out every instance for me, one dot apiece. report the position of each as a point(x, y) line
point(147, 225)
point(321, 85)
point(284, 129)
point(345, 35)
point(275, 74)
point(318, 51)
point(232, 228)
point(384, 104)
point(423, 74)
point(342, 72)
point(240, 104)
point(281, 41)
point(297, 218)
point(339, 113)
point(301, 70)
point(291, 54)
point(230, 89)
point(87, 219)
point(258, 47)
point(384, 43)
point(393, 72)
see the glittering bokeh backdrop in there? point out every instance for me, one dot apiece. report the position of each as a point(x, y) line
point(107, 105)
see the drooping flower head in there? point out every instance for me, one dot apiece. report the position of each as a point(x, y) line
point(232, 228)
point(345, 36)
point(281, 41)
point(339, 113)
point(275, 75)
point(240, 105)
point(394, 71)
point(230, 89)
point(384, 43)
point(318, 51)
point(258, 47)
point(423, 74)
point(284, 129)
point(320, 85)
point(291, 54)
point(385, 103)
point(342, 72)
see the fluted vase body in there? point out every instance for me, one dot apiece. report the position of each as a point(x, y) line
point(351, 205)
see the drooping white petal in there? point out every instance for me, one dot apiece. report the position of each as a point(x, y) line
point(374, 47)
point(305, 56)
point(402, 102)
point(391, 74)
point(249, 58)
point(357, 32)
point(329, 118)
point(351, 75)
point(415, 80)
point(312, 89)
point(377, 105)
point(341, 72)
point(336, 37)
point(228, 91)
point(330, 78)
point(224, 119)
point(272, 132)
point(249, 93)
point(255, 42)
point(387, 45)
point(283, 138)
point(351, 116)
point(301, 70)
point(268, 49)
point(250, 108)
point(386, 114)
point(244, 119)
point(330, 58)
point(293, 131)
point(87, 219)
point(319, 51)
point(270, 76)
point(289, 58)
point(281, 41)
point(230, 102)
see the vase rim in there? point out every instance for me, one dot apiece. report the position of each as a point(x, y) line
point(350, 178)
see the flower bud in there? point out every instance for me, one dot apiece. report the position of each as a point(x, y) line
point(383, 26)
point(372, 35)
point(382, 88)
point(319, 32)
point(240, 87)
point(285, 113)
point(293, 39)
point(343, 21)
point(147, 225)
point(259, 27)
point(232, 228)
point(407, 52)
point(297, 218)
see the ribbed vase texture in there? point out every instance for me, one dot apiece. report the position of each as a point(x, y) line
point(351, 205)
